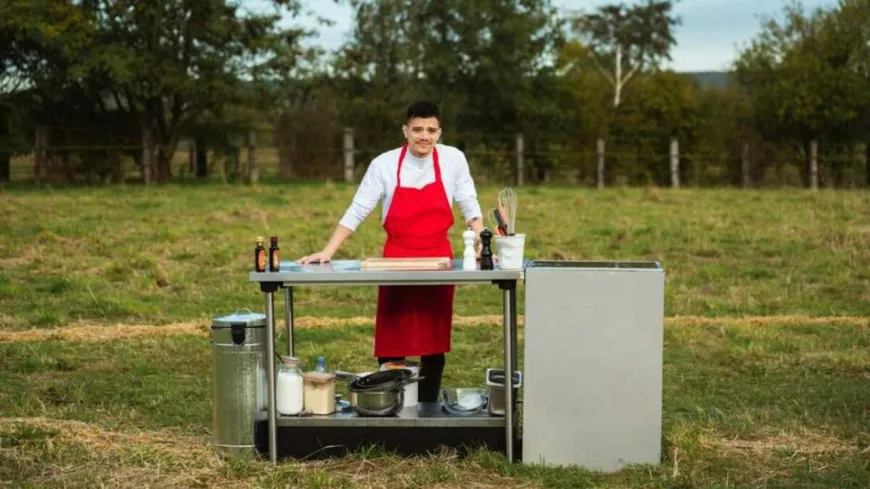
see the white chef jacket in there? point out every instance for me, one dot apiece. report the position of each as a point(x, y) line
point(379, 183)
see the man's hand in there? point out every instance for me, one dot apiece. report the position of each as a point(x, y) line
point(319, 257)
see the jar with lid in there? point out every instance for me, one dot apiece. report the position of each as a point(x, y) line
point(320, 389)
point(289, 389)
point(320, 392)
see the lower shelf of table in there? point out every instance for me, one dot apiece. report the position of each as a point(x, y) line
point(422, 415)
point(415, 430)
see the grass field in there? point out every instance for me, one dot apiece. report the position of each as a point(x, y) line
point(106, 295)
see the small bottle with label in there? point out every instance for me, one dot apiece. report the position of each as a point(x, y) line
point(260, 256)
point(321, 365)
point(274, 255)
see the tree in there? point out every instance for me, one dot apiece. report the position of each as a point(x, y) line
point(625, 40)
point(160, 63)
point(482, 61)
point(801, 83)
point(33, 36)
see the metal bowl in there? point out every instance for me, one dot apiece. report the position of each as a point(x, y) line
point(464, 401)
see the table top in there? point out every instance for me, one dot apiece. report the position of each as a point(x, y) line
point(347, 272)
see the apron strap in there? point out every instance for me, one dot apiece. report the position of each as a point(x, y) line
point(402, 158)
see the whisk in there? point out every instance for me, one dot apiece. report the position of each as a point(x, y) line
point(507, 205)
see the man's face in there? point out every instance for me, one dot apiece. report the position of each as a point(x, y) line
point(422, 134)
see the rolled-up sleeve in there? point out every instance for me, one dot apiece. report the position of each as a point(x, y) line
point(370, 191)
point(465, 194)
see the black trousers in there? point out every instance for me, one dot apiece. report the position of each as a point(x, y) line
point(431, 369)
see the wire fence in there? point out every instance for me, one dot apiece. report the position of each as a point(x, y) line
point(73, 155)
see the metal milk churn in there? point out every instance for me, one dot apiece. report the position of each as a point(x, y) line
point(239, 383)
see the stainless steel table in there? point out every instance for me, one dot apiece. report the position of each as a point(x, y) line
point(348, 273)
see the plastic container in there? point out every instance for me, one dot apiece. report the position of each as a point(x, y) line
point(289, 387)
point(510, 251)
point(319, 392)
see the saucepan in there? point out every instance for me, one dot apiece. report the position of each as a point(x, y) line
point(380, 393)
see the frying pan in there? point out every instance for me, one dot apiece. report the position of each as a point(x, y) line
point(383, 380)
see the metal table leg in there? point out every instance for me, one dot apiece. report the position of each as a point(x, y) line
point(514, 343)
point(270, 368)
point(288, 317)
point(508, 301)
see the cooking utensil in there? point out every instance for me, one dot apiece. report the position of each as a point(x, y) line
point(405, 264)
point(383, 380)
point(379, 393)
point(507, 202)
point(377, 403)
point(500, 224)
point(463, 401)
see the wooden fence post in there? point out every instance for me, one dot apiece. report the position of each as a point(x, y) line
point(814, 165)
point(191, 157)
point(867, 162)
point(5, 154)
point(519, 169)
point(40, 157)
point(253, 171)
point(348, 154)
point(744, 164)
point(599, 152)
point(675, 163)
point(147, 143)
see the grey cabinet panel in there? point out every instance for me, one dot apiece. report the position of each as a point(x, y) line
point(593, 364)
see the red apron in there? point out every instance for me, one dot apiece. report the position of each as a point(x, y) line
point(415, 320)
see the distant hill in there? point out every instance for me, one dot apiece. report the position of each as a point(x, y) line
point(711, 79)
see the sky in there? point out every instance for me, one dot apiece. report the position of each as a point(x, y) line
point(711, 33)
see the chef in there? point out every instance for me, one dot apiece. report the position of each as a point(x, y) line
point(418, 183)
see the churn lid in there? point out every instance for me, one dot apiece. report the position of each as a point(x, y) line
point(243, 316)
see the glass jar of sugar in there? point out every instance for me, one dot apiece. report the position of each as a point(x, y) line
point(289, 390)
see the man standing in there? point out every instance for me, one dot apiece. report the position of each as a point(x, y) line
point(418, 184)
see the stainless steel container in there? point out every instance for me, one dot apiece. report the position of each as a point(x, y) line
point(239, 379)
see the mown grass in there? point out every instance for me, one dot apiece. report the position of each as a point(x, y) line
point(779, 406)
point(172, 253)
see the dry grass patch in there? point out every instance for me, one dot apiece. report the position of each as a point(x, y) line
point(805, 443)
point(77, 454)
point(91, 332)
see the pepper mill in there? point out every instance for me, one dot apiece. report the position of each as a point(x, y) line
point(486, 251)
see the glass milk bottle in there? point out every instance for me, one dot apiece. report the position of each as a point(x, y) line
point(289, 387)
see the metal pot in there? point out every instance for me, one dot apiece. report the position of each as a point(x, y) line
point(377, 403)
point(380, 393)
point(379, 381)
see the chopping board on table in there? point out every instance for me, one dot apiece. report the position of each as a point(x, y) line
point(405, 264)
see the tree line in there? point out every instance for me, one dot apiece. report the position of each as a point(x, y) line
point(135, 79)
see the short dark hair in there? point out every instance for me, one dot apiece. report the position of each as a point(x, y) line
point(422, 108)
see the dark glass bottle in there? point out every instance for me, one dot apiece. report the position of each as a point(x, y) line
point(274, 255)
point(260, 256)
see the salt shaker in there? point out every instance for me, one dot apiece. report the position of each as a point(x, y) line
point(469, 259)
